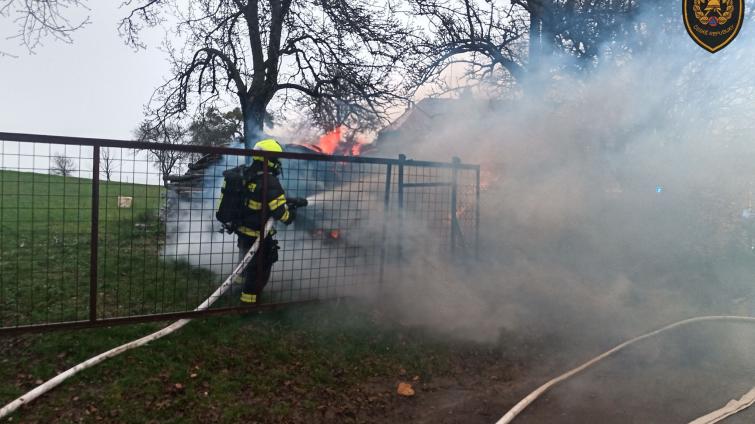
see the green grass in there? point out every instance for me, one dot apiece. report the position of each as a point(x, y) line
point(281, 366)
point(45, 244)
point(326, 362)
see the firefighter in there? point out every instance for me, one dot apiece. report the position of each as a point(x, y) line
point(277, 207)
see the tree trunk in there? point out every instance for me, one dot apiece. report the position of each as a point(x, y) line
point(541, 49)
point(535, 46)
point(253, 112)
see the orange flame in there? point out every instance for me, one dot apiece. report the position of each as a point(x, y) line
point(356, 149)
point(337, 142)
point(330, 141)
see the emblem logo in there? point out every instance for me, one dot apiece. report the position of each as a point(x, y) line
point(713, 24)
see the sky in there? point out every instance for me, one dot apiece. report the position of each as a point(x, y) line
point(95, 87)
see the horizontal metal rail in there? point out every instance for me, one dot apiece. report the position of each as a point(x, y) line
point(169, 316)
point(142, 145)
point(417, 185)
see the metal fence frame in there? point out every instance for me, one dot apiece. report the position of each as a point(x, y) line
point(399, 165)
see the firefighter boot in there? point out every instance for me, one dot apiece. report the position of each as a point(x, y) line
point(249, 299)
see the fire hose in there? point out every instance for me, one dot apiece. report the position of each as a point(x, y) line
point(524, 403)
point(58, 379)
point(728, 410)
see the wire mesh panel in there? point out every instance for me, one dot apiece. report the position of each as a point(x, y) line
point(467, 205)
point(45, 229)
point(334, 243)
point(105, 231)
point(438, 206)
point(138, 272)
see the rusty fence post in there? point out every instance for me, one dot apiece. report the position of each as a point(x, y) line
point(386, 209)
point(455, 162)
point(400, 225)
point(95, 234)
point(477, 214)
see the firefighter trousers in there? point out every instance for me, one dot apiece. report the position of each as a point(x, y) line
point(269, 249)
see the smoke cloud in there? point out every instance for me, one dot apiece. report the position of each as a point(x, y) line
point(620, 202)
point(614, 202)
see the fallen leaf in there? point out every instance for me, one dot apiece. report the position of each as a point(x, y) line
point(405, 389)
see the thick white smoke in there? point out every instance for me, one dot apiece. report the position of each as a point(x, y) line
point(617, 201)
point(618, 204)
point(192, 232)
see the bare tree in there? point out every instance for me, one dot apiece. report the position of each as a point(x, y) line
point(40, 19)
point(579, 28)
point(331, 115)
point(108, 163)
point(488, 37)
point(62, 165)
point(346, 51)
point(166, 161)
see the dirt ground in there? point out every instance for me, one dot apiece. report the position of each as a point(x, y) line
point(670, 379)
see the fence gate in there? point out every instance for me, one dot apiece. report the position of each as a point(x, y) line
point(101, 232)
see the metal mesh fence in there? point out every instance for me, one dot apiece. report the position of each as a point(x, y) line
point(105, 231)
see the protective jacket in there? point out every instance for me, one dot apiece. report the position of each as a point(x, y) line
point(276, 202)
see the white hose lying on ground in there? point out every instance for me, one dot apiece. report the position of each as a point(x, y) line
point(55, 381)
point(519, 407)
point(728, 410)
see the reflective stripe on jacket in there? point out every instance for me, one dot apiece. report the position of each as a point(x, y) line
point(276, 204)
